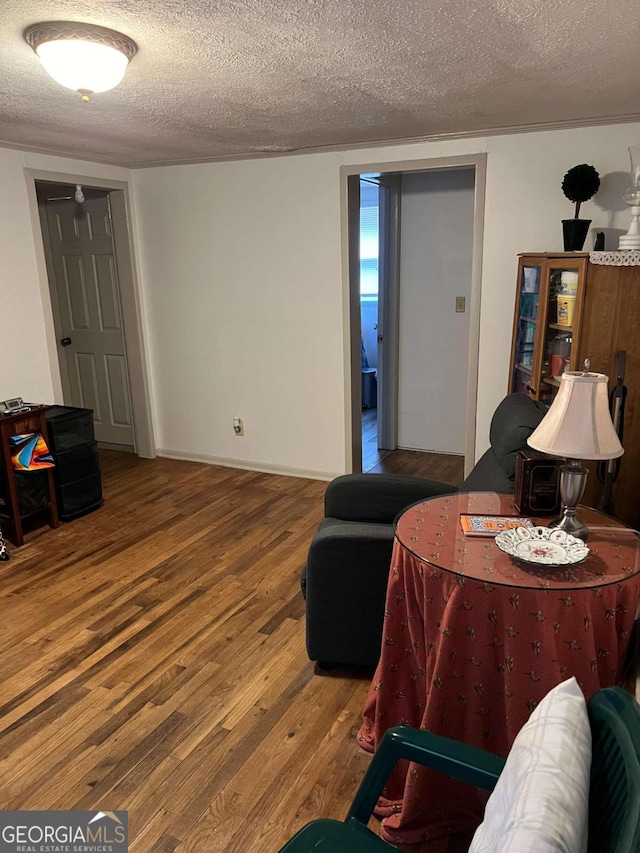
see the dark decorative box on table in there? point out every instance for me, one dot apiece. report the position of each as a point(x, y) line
point(77, 474)
point(537, 483)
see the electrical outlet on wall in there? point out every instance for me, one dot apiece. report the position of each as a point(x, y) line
point(238, 426)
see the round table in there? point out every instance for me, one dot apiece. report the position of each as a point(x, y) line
point(473, 639)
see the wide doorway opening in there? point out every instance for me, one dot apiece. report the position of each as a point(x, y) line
point(412, 271)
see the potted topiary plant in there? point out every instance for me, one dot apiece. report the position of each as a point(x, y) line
point(579, 184)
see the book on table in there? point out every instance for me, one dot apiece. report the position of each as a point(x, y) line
point(490, 525)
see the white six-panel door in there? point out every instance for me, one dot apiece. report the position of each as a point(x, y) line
point(90, 337)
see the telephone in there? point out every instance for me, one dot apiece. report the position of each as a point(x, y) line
point(14, 405)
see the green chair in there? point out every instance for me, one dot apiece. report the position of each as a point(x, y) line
point(614, 796)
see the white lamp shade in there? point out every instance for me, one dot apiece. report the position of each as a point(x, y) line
point(578, 424)
point(83, 66)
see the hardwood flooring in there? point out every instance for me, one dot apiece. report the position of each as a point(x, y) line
point(446, 467)
point(152, 659)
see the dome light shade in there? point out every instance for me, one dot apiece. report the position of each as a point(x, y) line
point(82, 57)
point(83, 65)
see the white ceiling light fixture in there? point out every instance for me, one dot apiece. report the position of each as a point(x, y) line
point(83, 57)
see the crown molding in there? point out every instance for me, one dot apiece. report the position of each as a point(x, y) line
point(408, 140)
point(320, 149)
point(52, 151)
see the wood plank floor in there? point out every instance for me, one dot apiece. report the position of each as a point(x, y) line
point(446, 467)
point(152, 659)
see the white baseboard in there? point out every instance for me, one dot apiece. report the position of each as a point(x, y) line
point(244, 465)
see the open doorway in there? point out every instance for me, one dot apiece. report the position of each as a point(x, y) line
point(369, 253)
point(417, 281)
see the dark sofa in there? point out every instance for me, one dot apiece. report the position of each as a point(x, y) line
point(345, 579)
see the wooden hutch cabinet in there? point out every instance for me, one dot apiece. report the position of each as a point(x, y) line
point(605, 319)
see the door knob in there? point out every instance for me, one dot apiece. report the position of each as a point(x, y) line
point(65, 342)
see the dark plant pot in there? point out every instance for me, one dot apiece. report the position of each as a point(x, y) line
point(575, 232)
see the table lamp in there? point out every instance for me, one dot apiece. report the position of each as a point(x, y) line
point(577, 426)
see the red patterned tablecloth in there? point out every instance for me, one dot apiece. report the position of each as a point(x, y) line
point(473, 640)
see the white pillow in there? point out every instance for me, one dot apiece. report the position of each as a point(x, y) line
point(540, 802)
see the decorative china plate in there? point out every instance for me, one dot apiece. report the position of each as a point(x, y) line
point(545, 546)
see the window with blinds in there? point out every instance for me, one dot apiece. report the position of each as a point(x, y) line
point(369, 235)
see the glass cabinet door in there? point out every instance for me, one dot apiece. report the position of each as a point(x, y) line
point(526, 328)
point(559, 327)
point(546, 328)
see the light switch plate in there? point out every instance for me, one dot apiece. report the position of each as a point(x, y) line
point(460, 304)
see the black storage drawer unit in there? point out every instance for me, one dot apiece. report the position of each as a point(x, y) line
point(77, 498)
point(77, 464)
point(69, 428)
point(75, 451)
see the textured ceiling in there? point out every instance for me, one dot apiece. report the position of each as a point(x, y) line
point(239, 77)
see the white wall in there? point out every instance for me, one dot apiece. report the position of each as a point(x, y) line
point(243, 279)
point(243, 284)
point(436, 247)
point(27, 368)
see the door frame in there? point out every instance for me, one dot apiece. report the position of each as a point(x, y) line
point(351, 297)
point(388, 311)
point(130, 299)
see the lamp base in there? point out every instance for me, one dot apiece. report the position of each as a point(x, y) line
point(573, 478)
point(570, 524)
point(631, 240)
